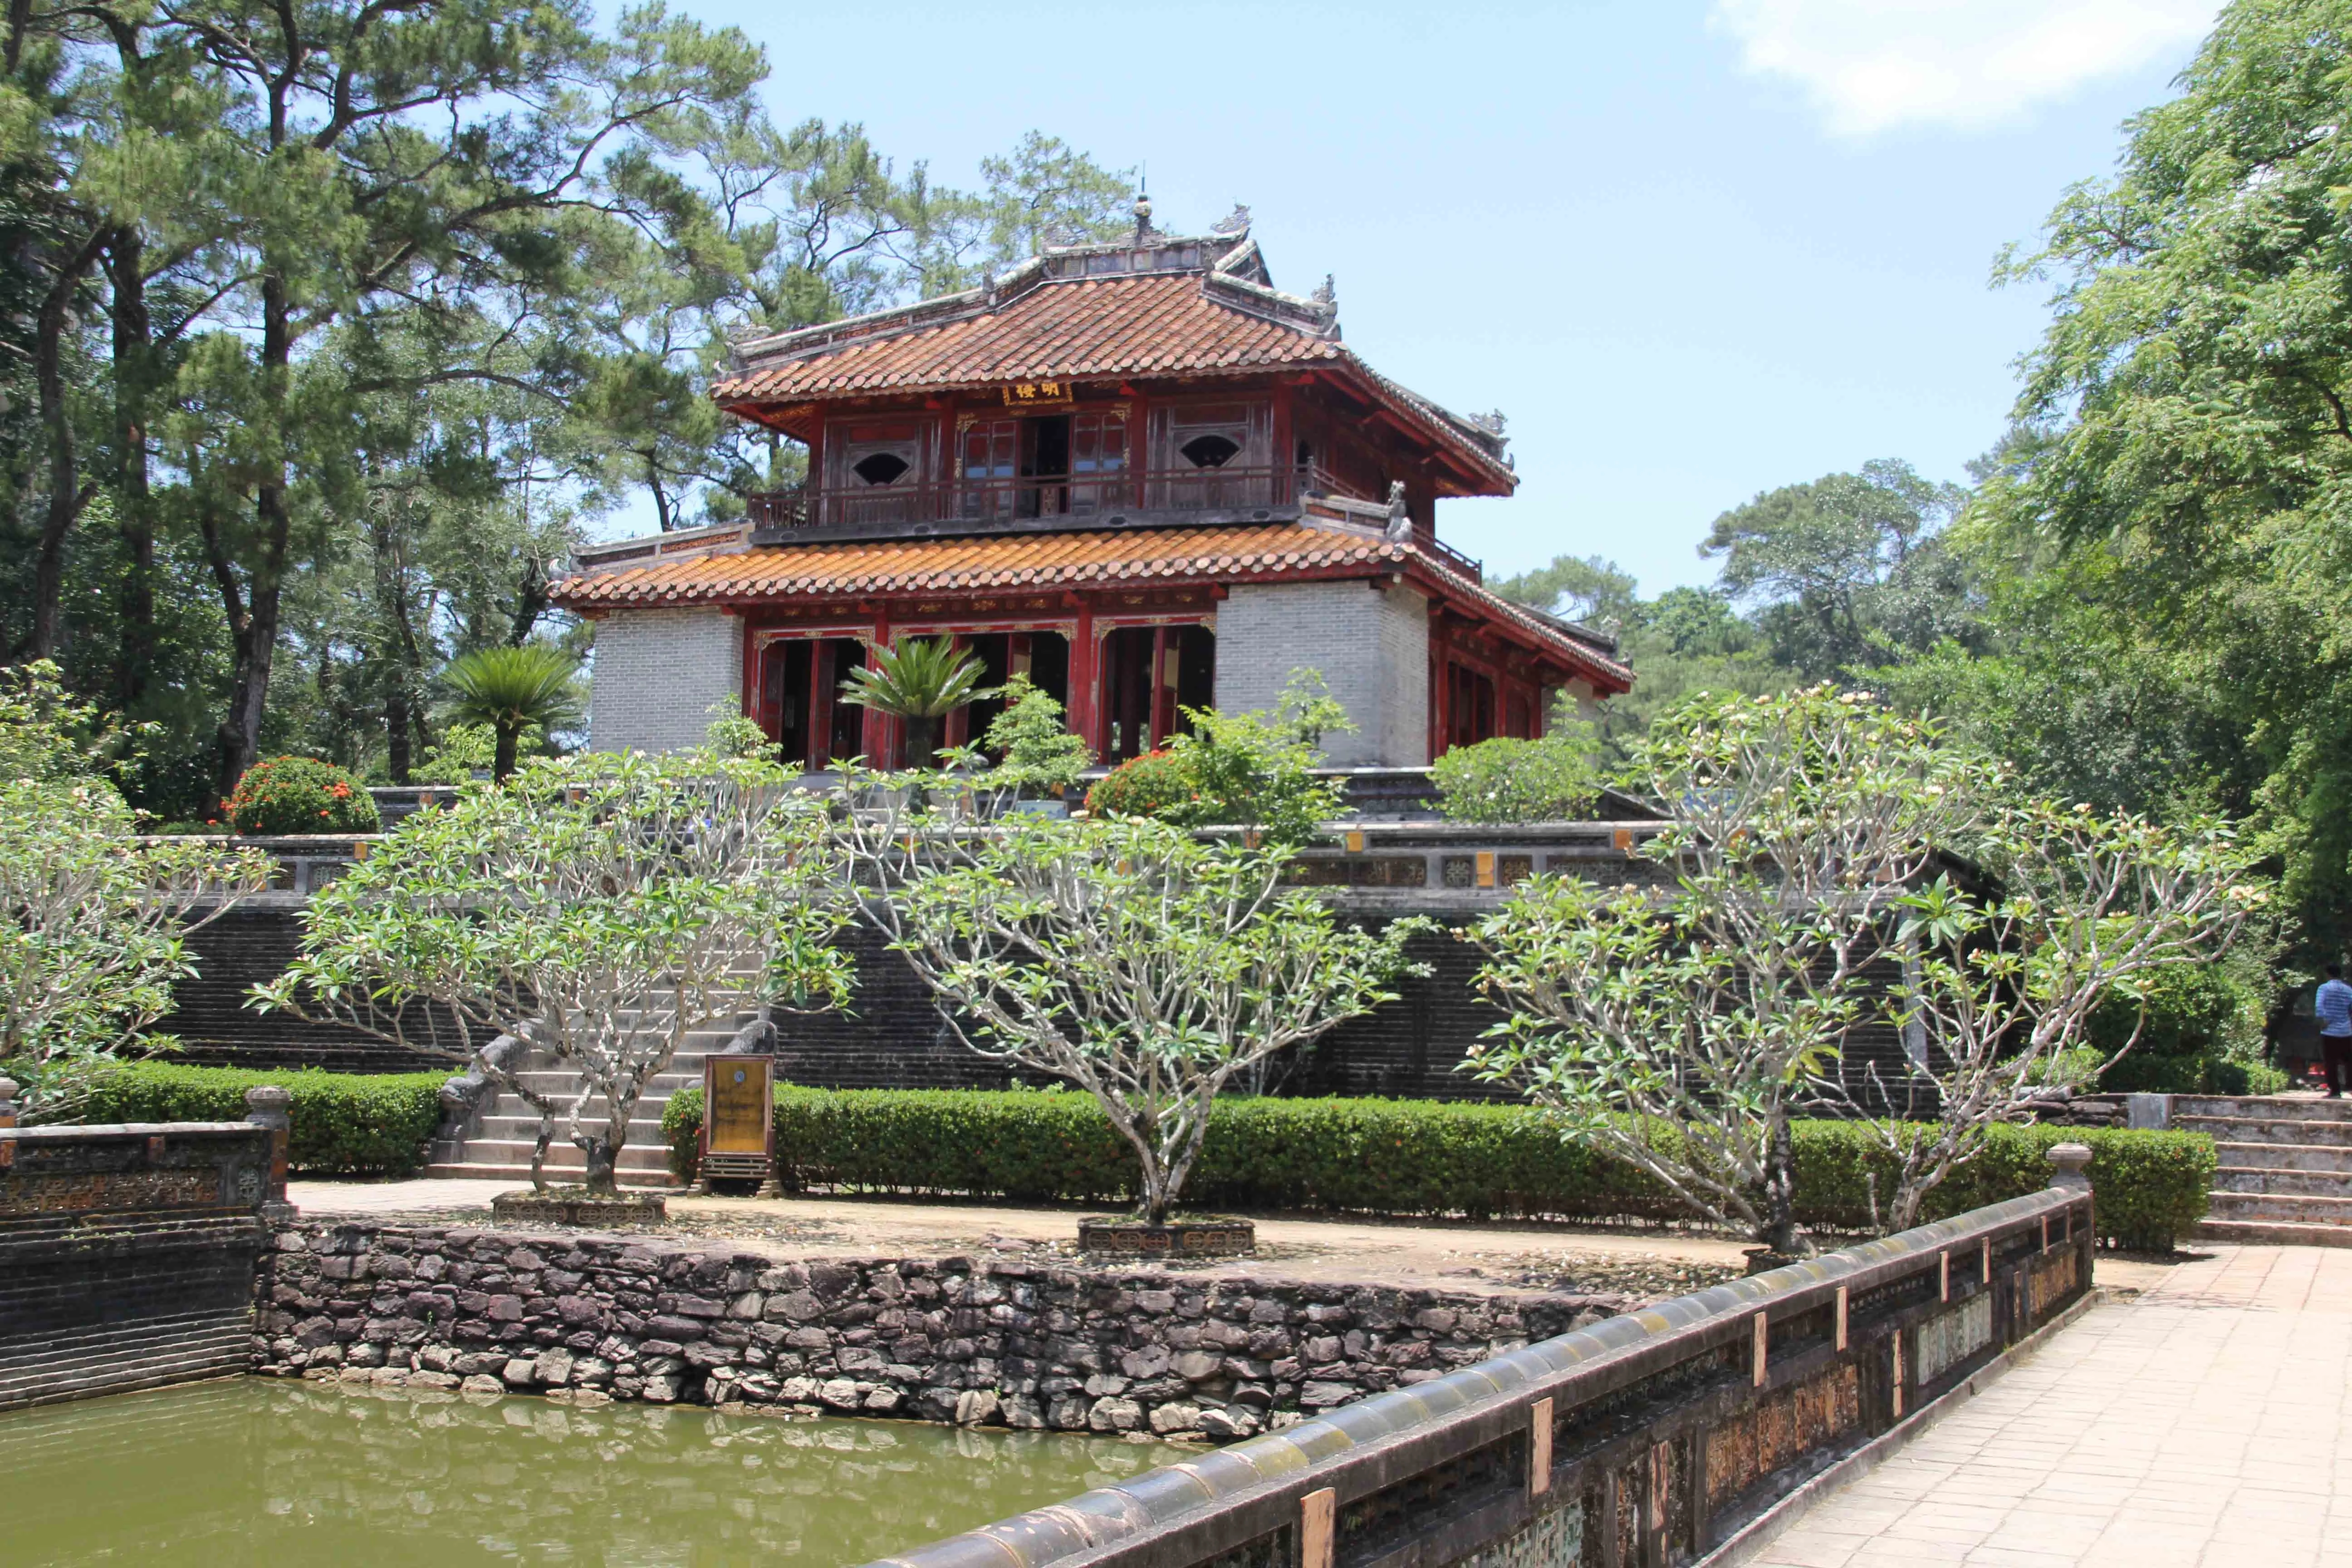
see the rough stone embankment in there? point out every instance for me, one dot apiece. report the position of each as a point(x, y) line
point(967, 1339)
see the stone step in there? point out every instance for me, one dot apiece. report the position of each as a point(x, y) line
point(2318, 1157)
point(2267, 1130)
point(525, 1127)
point(2273, 1233)
point(520, 1174)
point(222, 1350)
point(2262, 1107)
point(131, 1337)
point(2290, 1182)
point(2287, 1207)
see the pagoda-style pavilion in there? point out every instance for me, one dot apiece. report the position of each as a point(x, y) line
point(1136, 472)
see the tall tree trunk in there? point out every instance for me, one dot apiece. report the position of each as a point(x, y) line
point(66, 492)
point(135, 506)
point(399, 715)
point(398, 727)
point(502, 758)
point(255, 633)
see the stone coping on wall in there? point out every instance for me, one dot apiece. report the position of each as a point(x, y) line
point(1644, 1439)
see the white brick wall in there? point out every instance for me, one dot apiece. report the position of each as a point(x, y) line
point(1372, 646)
point(656, 674)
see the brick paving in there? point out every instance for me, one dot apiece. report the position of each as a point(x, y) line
point(2202, 1423)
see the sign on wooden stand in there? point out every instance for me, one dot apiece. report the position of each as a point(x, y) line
point(738, 1120)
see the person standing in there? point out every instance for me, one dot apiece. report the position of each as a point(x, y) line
point(2333, 1005)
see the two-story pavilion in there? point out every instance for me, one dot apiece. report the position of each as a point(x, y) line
point(1135, 471)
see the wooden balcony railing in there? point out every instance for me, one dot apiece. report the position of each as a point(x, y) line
point(1228, 489)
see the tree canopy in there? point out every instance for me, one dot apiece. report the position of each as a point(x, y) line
point(335, 325)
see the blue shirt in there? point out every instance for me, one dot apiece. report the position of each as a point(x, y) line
point(2335, 1008)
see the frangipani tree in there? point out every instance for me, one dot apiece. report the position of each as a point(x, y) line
point(600, 909)
point(1133, 959)
point(92, 918)
point(1680, 1019)
point(92, 929)
point(2001, 977)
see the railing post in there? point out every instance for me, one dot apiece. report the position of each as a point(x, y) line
point(1318, 1517)
point(2069, 1163)
point(266, 1105)
point(1539, 1448)
point(8, 1102)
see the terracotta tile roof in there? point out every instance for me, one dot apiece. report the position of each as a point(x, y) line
point(1000, 562)
point(1066, 330)
point(731, 572)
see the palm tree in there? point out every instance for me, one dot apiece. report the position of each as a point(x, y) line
point(510, 689)
point(922, 680)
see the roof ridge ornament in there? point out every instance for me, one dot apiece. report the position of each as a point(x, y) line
point(1327, 296)
point(1235, 223)
point(1399, 527)
point(1144, 232)
point(1492, 422)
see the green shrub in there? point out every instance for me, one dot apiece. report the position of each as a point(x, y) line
point(2194, 1013)
point(344, 1124)
point(1254, 770)
point(1399, 1157)
point(1152, 785)
point(300, 795)
point(1505, 780)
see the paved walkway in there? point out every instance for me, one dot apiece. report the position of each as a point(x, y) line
point(1645, 1264)
point(2204, 1423)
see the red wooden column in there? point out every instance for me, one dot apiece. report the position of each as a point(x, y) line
point(1163, 694)
point(1086, 685)
point(819, 704)
point(750, 689)
point(876, 740)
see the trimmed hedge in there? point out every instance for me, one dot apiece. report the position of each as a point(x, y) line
point(344, 1124)
point(1403, 1157)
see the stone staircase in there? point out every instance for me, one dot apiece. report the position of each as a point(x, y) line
point(496, 1141)
point(2285, 1171)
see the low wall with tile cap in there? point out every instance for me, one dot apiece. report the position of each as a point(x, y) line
point(127, 1254)
point(1646, 1439)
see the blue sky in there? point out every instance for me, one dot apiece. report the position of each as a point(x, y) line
point(1693, 251)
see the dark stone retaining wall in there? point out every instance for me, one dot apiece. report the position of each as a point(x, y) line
point(892, 1037)
point(589, 1317)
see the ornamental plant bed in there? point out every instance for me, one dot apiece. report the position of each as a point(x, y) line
point(1124, 1238)
point(578, 1206)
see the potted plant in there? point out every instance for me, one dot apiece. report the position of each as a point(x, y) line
point(919, 682)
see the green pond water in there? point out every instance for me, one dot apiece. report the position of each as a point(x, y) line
point(253, 1471)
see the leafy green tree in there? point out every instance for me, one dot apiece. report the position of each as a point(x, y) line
point(1680, 1024)
point(1129, 957)
point(2189, 448)
point(1848, 568)
point(92, 919)
point(598, 910)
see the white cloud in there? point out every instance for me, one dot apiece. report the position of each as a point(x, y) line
point(1869, 65)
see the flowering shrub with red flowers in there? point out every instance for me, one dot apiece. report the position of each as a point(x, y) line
point(300, 795)
point(1156, 784)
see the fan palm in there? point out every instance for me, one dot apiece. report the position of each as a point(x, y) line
point(511, 689)
point(921, 680)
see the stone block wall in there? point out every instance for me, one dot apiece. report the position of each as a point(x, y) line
point(1371, 644)
point(589, 1317)
point(656, 674)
